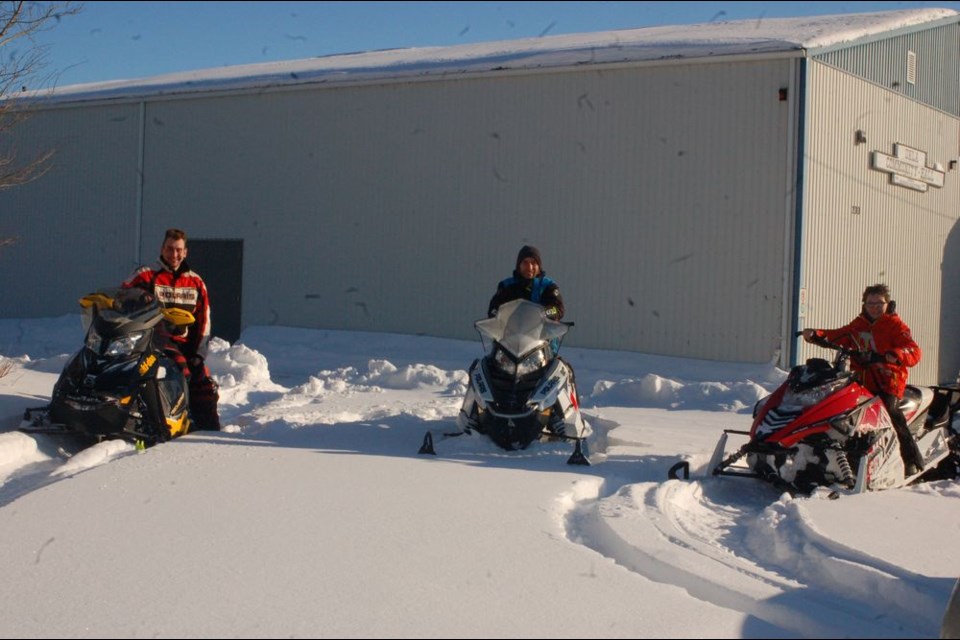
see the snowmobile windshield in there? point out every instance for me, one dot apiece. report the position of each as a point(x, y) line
point(520, 327)
point(810, 396)
point(121, 310)
point(815, 373)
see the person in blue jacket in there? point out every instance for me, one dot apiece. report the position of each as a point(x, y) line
point(530, 283)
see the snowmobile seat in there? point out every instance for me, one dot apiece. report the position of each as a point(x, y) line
point(914, 401)
point(945, 403)
point(912, 397)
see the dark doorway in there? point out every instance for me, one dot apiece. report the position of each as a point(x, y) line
point(220, 264)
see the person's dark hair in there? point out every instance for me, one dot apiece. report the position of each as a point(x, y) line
point(876, 290)
point(175, 234)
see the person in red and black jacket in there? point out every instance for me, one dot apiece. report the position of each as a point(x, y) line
point(879, 332)
point(174, 284)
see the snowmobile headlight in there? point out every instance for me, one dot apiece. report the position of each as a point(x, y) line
point(533, 362)
point(505, 362)
point(810, 397)
point(93, 341)
point(125, 345)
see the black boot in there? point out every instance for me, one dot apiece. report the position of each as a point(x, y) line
point(912, 458)
point(203, 405)
point(909, 450)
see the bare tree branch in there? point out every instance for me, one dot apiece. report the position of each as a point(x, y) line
point(20, 23)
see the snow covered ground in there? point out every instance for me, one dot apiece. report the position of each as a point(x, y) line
point(312, 514)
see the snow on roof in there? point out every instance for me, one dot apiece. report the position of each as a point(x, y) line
point(634, 45)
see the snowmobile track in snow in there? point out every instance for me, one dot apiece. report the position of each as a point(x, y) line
point(682, 534)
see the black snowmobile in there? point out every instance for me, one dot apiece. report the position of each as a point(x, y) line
point(122, 383)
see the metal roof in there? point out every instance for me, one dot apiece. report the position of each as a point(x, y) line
point(783, 36)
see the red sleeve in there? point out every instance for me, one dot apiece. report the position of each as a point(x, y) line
point(904, 347)
point(845, 336)
point(142, 278)
point(200, 333)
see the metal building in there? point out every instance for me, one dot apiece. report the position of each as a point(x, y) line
point(701, 191)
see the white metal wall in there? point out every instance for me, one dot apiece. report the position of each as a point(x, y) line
point(74, 226)
point(657, 195)
point(859, 229)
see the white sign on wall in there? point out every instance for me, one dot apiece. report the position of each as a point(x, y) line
point(908, 168)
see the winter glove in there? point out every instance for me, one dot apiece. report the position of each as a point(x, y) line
point(197, 369)
point(871, 357)
point(814, 336)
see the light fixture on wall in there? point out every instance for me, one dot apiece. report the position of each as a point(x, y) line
point(859, 137)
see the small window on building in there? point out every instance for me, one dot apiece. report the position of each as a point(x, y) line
point(911, 67)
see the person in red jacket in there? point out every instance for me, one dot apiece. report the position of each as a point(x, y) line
point(174, 284)
point(880, 333)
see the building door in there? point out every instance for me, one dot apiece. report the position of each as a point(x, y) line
point(220, 264)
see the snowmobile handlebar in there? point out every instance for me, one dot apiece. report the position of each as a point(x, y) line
point(178, 317)
point(104, 300)
point(864, 358)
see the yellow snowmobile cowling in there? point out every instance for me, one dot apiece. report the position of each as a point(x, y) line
point(98, 300)
point(178, 317)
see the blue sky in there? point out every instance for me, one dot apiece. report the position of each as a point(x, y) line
point(123, 40)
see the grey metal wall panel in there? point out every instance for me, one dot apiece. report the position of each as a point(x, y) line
point(656, 195)
point(74, 226)
point(884, 62)
point(859, 228)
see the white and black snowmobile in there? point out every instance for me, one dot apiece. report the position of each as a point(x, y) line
point(122, 383)
point(521, 390)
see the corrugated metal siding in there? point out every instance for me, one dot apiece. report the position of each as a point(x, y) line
point(859, 229)
point(661, 196)
point(75, 226)
point(655, 194)
point(885, 63)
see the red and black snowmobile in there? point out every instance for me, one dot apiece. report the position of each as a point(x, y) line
point(822, 427)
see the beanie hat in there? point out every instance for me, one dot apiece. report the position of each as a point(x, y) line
point(528, 251)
